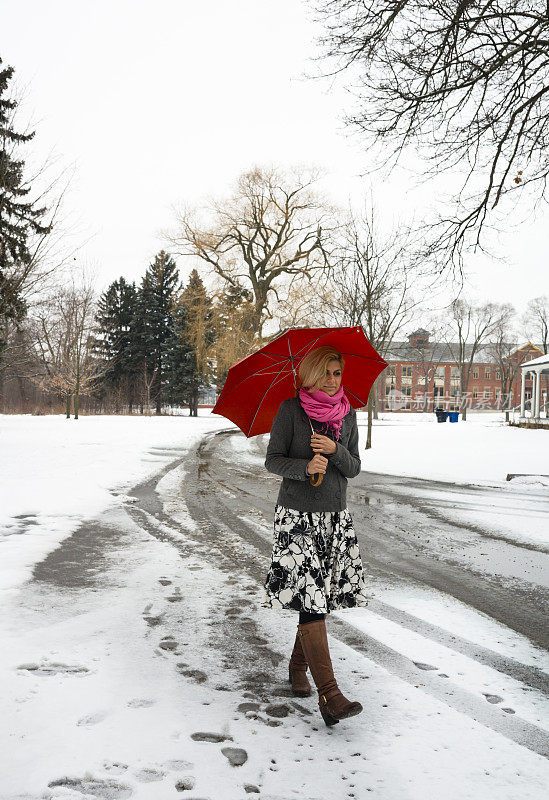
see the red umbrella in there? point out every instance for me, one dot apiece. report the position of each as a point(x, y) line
point(257, 384)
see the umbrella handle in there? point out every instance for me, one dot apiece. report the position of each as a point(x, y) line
point(316, 479)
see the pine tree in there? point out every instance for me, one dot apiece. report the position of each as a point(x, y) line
point(154, 324)
point(190, 363)
point(20, 219)
point(115, 344)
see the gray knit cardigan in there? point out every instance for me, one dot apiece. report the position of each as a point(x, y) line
point(289, 451)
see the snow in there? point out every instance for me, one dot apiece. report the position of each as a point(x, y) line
point(57, 472)
point(105, 684)
point(482, 450)
point(461, 457)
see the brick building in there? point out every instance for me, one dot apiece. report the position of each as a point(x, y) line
point(422, 375)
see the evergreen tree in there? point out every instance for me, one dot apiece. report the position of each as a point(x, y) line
point(154, 323)
point(19, 218)
point(190, 363)
point(116, 317)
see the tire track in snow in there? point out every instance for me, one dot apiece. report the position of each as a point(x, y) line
point(209, 506)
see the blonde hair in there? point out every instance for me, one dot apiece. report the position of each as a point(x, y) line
point(312, 368)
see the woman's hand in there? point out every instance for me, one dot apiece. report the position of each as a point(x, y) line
point(323, 444)
point(317, 464)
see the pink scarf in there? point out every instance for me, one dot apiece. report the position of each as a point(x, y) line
point(330, 410)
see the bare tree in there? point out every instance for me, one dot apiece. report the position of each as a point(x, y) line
point(65, 341)
point(473, 326)
point(535, 321)
point(466, 82)
point(148, 379)
point(274, 225)
point(371, 285)
point(33, 236)
point(501, 348)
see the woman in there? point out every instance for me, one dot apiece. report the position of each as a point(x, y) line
point(315, 563)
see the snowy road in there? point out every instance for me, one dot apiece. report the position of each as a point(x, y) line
point(142, 667)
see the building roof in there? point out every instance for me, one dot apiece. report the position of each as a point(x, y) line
point(536, 362)
point(420, 332)
point(445, 353)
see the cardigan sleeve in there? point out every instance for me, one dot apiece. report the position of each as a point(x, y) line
point(277, 459)
point(347, 459)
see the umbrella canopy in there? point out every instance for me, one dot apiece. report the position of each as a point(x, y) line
point(257, 384)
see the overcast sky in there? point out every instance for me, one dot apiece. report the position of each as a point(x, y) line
point(160, 102)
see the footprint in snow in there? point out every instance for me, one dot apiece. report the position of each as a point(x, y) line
point(93, 719)
point(178, 763)
point(196, 674)
point(152, 618)
point(204, 736)
point(236, 756)
point(186, 783)
point(54, 668)
point(168, 643)
point(245, 707)
point(149, 774)
point(94, 787)
point(493, 698)
point(141, 702)
point(116, 767)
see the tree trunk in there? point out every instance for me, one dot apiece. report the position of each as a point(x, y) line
point(77, 395)
point(193, 403)
point(369, 429)
point(375, 402)
point(68, 407)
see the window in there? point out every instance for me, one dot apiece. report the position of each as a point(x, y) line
point(439, 372)
point(486, 392)
point(391, 370)
point(498, 394)
point(475, 394)
point(474, 373)
point(454, 372)
point(497, 375)
point(407, 372)
point(487, 373)
point(407, 391)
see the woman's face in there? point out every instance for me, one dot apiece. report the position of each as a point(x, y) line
point(332, 379)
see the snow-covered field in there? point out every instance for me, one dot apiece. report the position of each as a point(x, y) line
point(109, 687)
point(482, 450)
point(56, 472)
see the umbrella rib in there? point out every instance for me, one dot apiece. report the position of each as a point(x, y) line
point(360, 400)
point(254, 374)
point(318, 338)
point(368, 358)
point(262, 399)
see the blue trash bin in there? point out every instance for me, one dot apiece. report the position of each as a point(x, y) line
point(453, 416)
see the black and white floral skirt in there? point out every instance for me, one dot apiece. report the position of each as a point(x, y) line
point(315, 562)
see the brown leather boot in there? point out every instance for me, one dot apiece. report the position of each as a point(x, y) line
point(332, 703)
point(297, 669)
